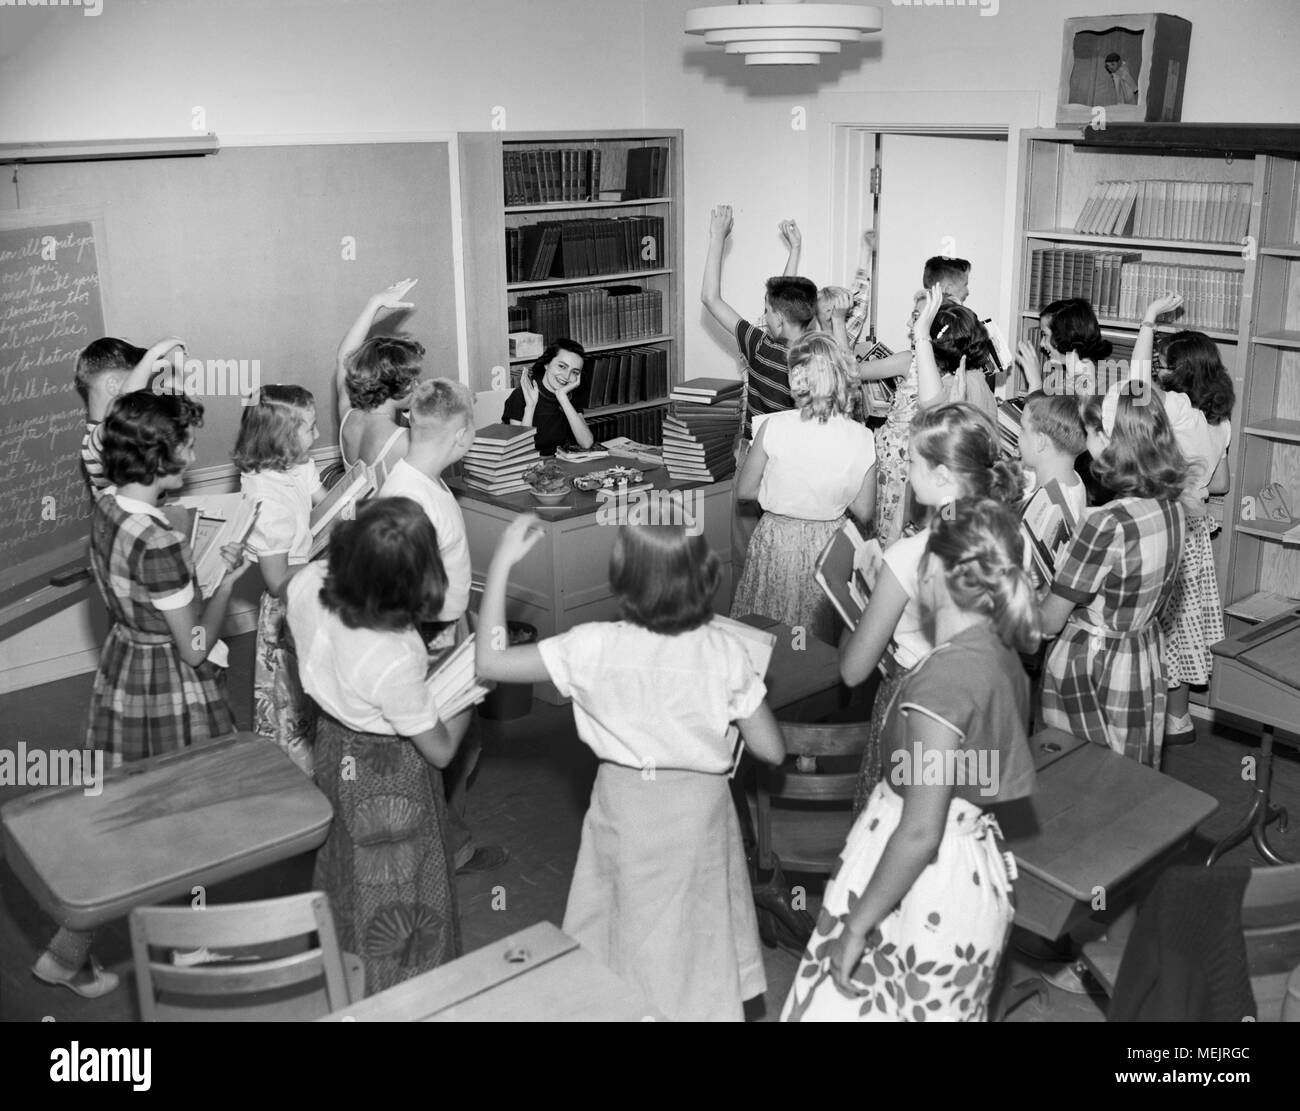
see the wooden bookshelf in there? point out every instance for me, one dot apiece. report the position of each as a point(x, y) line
point(484, 181)
point(1059, 170)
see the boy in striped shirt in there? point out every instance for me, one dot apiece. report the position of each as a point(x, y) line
point(791, 305)
point(106, 368)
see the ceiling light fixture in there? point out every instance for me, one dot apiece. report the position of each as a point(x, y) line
point(783, 32)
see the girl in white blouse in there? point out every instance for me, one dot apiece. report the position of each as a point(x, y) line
point(379, 742)
point(661, 892)
point(808, 466)
point(276, 433)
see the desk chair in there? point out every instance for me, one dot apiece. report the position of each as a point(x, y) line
point(809, 837)
point(279, 976)
point(1270, 921)
point(488, 406)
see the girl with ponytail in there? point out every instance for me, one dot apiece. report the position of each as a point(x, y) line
point(954, 454)
point(915, 920)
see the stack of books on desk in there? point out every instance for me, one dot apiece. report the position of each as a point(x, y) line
point(498, 457)
point(700, 429)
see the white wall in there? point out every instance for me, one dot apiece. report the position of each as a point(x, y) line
point(742, 150)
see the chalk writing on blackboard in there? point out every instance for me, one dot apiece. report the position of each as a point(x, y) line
point(50, 308)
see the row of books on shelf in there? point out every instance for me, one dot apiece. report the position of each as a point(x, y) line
point(584, 248)
point(593, 315)
point(1120, 286)
point(1201, 211)
point(601, 172)
point(644, 426)
point(498, 457)
point(1211, 294)
point(626, 377)
point(1060, 272)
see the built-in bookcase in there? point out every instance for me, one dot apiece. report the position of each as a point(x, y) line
point(612, 203)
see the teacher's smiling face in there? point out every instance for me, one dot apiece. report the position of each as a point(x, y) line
point(562, 370)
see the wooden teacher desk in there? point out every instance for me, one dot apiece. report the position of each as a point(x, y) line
point(1097, 820)
point(564, 580)
point(536, 975)
point(161, 826)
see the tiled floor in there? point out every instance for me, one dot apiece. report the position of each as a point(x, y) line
point(530, 796)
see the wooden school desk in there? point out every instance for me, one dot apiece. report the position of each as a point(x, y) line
point(564, 580)
point(1257, 676)
point(1097, 820)
point(161, 826)
point(536, 975)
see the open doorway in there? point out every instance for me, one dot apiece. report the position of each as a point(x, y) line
point(927, 192)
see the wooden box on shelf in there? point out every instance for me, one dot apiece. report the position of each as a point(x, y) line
point(1131, 66)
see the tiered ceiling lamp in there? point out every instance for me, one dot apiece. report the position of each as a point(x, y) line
point(783, 32)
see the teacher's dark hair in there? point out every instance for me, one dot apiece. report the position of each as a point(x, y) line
point(385, 572)
point(664, 578)
point(144, 433)
point(572, 346)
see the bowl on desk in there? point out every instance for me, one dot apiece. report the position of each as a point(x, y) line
point(554, 498)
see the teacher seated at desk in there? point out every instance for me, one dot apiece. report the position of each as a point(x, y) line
point(543, 398)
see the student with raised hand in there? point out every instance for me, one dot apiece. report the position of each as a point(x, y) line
point(108, 368)
point(380, 743)
point(661, 892)
point(373, 381)
point(161, 682)
point(1105, 677)
point(791, 307)
point(1198, 396)
point(916, 917)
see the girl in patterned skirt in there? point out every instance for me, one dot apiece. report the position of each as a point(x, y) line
point(275, 435)
point(955, 453)
point(1198, 397)
point(807, 467)
point(1105, 677)
point(161, 683)
point(916, 914)
point(661, 891)
point(380, 743)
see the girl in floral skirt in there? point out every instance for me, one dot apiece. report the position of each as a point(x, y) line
point(916, 915)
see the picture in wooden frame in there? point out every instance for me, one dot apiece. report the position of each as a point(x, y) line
point(1123, 69)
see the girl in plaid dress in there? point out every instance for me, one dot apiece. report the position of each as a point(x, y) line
point(1105, 676)
point(955, 453)
point(1198, 397)
point(275, 436)
point(161, 680)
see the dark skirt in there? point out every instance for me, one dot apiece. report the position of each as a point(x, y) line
point(385, 865)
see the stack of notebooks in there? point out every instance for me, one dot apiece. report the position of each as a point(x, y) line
point(1202, 211)
point(847, 569)
point(1047, 524)
point(498, 457)
point(209, 523)
point(454, 684)
point(1011, 412)
point(700, 430)
point(358, 483)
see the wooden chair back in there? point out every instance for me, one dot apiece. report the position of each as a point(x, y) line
point(809, 835)
point(262, 962)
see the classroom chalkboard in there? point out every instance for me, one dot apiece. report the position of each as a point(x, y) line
point(258, 257)
point(50, 308)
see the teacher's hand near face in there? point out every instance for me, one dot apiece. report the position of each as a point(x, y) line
point(531, 394)
point(563, 392)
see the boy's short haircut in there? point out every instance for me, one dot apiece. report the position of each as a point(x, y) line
point(942, 269)
point(438, 400)
point(1056, 416)
point(1113, 57)
point(104, 354)
point(794, 298)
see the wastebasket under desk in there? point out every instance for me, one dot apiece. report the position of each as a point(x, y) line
point(564, 580)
